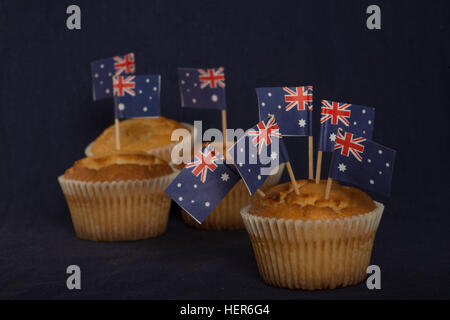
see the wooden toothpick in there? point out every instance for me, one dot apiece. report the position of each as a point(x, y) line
point(261, 193)
point(318, 166)
point(328, 188)
point(291, 175)
point(116, 121)
point(224, 131)
point(310, 158)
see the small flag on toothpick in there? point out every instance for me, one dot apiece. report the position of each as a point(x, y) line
point(355, 119)
point(103, 71)
point(137, 96)
point(352, 118)
point(291, 106)
point(202, 88)
point(203, 183)
point(362, 162)
point(258, 153)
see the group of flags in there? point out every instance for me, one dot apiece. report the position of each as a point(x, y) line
point(345, 130)
point(135, 96)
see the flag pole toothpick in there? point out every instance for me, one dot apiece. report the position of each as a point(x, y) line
point(318, 166)
point(328, 188)
point(117, 133)
point(310, 158)
point(291, 175)
point(261, 193)
point(224, 130)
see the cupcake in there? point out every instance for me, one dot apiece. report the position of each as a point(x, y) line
point(151, 135)
point(226, 216)
point(306, 242)
point(118, 197)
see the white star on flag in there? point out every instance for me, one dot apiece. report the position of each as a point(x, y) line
point(225, 177)
point(332, 137)
point(302, 123)
point(273, 155)
point(342, 167)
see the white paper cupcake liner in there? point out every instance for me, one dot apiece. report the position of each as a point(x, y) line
point(119, 210)
point(314, 254)
point(226, 216)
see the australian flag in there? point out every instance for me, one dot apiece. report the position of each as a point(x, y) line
point(362, 162)
point(352, 118)
point(203, 183)
point(136, 96)
point(258, 153)
point(103, 71)
point(202, 88)
point(291, 106)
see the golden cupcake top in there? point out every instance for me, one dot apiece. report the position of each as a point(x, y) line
point(139, 134)
point(118, 167)
point(281, 201)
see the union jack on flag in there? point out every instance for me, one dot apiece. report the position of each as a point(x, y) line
point(259, 153)
point(124, 64)
point(200, 196)
point(124, 85)
point(203, 161)
point(335, 112)
point(103, 70)
point(262, 136)
point(291, 106)
point(212, 78)
point(300, 97)
point(364, 163)
point(346, 143)
point(137, 96)
point(202, 88)
point(351, 117)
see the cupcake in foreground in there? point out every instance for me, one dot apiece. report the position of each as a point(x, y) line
point(226, 216)
point(118, 197)
point(306, 242)
point(151, 135)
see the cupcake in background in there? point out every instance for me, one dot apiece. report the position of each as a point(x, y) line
point(306, 242)
point(226, 216)
point(118, 197)
point(151, 135)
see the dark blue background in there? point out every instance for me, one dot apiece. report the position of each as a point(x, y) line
point(48, 117)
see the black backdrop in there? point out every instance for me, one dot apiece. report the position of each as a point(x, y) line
point(48, 117)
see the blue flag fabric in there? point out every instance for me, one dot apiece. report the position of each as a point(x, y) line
point(291, 106)
point(351, 118)
point(103, 70)
point(258, 153)
point(202, 88)
point(362, 162)
point(203, 183)
point(137, 96)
